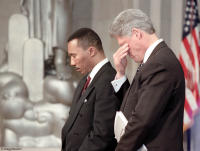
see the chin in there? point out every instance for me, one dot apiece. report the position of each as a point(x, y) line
point(136, 60)
point(83, 73)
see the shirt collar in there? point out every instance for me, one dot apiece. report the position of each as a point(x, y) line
point(97, 68)
point(150, 49)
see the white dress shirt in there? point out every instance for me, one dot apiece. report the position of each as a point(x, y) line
point(97, 68)
point(117, 83)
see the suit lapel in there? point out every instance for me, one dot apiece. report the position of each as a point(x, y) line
point(157, 48)
point(78, 106)
point(80, 99)
point(80, 88)
point(77, 95)
point(125, 100)
point(155, 51)
point(100, 72)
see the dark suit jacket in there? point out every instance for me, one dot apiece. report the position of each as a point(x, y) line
point(154, 104)
point(91, 121)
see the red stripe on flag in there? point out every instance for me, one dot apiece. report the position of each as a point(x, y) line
point(196, 94)
point(194, 35)
point(189, 51)
point(187, 72)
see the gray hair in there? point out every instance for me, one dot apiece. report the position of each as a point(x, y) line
point(129, 19)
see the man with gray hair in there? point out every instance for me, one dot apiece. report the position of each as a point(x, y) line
point(154, 102)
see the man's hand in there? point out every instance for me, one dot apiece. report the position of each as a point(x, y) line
point(120, 60)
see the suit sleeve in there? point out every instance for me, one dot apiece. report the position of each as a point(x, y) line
point(102, 133)
point(122, 91)
point(153, 94)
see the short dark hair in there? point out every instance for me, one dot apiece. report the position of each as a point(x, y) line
point(86, 38)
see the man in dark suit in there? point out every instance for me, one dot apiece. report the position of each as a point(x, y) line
point(154, 102)
point(91, 120)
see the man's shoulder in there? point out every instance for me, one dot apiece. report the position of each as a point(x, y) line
point(108, 73)
point(104, 78)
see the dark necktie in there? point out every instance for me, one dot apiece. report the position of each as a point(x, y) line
point(86, 84)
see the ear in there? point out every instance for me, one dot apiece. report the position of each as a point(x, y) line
point(137, 33)
point(92, 51)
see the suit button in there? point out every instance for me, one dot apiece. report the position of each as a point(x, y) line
point(80, 115)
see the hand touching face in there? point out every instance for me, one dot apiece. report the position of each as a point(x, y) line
point(120, 60)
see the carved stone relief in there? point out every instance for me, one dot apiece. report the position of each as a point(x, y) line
point(35, 99)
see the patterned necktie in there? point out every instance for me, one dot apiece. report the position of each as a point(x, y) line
point(86, 84)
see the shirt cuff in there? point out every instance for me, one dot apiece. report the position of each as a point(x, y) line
point(118, 83)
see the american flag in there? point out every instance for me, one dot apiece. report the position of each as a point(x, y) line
point(190, 60)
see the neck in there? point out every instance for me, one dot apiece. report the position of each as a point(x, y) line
point(152, 38)
point(98, 58)
point(148, 41)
